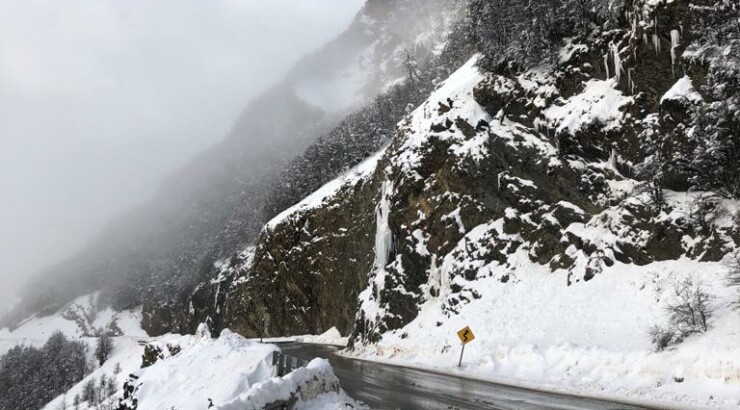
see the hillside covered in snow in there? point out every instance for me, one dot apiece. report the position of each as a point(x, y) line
point(559, 175)
point(579, 210)
point(185, 372)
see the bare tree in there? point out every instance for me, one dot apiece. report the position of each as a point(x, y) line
point(733, 274)
point(689, 313)
point(733, 269)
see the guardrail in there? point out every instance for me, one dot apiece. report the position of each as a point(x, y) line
point(282, 405)
point(285, 363)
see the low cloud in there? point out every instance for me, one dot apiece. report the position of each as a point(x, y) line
point(101, 99)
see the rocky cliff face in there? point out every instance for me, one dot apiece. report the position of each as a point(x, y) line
point(569, 212)
point(497, 173)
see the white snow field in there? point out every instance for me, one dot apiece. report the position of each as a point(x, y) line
point(588, 338)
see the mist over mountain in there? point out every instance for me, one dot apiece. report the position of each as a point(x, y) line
point(102, 100)
point(159, 252)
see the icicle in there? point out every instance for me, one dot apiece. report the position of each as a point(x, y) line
point(675, 39)
point(656, 39)
point(617, 62)
point(612, 162)
point(634, 52)
point(606, 65)
point(437, 280)
point(645, 38)
point(383, 234)
point(630, 84)
point(656, 43)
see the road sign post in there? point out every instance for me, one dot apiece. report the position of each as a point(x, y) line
point(466, 336)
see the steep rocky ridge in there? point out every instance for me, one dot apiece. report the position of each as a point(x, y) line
point(502, 175)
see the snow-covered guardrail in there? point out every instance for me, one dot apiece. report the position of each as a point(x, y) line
point(303, 384)
point(285, 363)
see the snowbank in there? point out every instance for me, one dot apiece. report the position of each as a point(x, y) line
point(330, 337)
point(312, 387)
point(218, 369)
point(204, 368)
point(231, 371)
point(537, 331)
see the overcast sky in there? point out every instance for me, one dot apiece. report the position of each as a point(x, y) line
point(101, 99)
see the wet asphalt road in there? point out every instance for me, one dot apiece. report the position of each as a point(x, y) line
point(391, 387)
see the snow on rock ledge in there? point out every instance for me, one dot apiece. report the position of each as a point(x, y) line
point(600, 101)
point(683, 90)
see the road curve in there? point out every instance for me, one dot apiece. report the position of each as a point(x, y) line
point(388, 387)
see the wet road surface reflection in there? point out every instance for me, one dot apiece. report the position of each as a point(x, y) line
point(391, 387)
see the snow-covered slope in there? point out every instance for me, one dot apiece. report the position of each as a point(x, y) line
point(571, 212)
point(522, 204)
point(80, 319)
point(196, 370)
point(317, 386)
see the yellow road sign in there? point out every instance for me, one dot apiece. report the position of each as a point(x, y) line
point(466, 335)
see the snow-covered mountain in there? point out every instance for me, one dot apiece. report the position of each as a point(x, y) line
point(559, 175)
point(559, 210)
point(157, 255)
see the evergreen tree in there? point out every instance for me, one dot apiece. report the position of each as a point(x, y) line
point(31, 377)
point(103, 348)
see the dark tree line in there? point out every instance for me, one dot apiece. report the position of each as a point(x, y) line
point(358, 136)
point(520, 34)
point(701, 150)
point(715, 134)
point(31, 377)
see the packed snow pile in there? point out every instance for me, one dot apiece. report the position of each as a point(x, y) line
point(216, 369)
point(191, 372)
point(589, 338)
point(195, 369)
point(312, 387)
point(330, 337)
